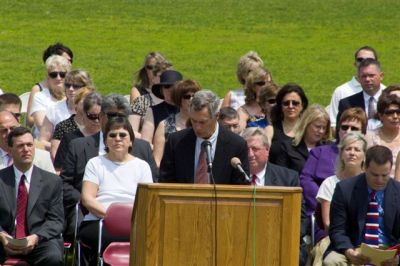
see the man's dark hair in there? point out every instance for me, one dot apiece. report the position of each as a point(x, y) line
point(227, 113)
point(9, 98)
point(367, 48)
point(369, 62)
point(16, 132)
point(378, 154)
point(57, 49)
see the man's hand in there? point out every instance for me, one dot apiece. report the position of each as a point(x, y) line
point(355, 257)
point(17, 250)
point(391, 262)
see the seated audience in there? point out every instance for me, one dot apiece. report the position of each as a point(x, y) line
point(89, 108)
point(389, 133)
point(352, 149)
point(353, 204)
point(110, 178)
point(12, 103)
point(251, 113)
point(267, 99)
point(54, 49)
point(182, 95)
point(291, 101)
point(311, 131)
point(248, 62)
point(229, 118)
point(72, 123)
point(74, 81)
point(30, 206)
point(156, 113)
point(57, 68)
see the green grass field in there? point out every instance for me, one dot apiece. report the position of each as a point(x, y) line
point(308, 42)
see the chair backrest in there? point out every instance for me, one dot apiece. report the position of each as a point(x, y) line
point(118, 219)
point(24, 99)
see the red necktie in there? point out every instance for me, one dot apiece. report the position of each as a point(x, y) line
point(22, 203)
point(201, 171)
point(253, 179)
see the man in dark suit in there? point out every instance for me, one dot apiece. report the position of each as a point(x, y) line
point(81, 150)
point(350, 211)
point(30, 206)
point(264, 173)
point(184, 160)
point(370, 77)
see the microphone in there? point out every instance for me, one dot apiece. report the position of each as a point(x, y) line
point(237, 164)
point(206, 145)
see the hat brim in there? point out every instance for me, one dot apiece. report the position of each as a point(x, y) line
point(156, 90)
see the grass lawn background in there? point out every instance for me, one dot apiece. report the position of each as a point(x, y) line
point(308, 42)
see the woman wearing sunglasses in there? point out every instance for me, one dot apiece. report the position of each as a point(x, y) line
point(88, 104)
point(251, 113)
point(321, 161)
point(110, 178)
point(74, 81)
point(57, 68)
point(182, 95)
point(388, 134)
point(290, 103)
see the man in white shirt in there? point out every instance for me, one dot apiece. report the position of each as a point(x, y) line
point(351, 87)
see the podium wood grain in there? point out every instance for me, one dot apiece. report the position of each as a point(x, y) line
point(174, 224)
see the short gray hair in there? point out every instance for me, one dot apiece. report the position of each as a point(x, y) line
point(205, 98)
point(93, 98)
point(115, 101)
point(254, 131)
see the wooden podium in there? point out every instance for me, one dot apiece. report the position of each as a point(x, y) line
point(174, 224)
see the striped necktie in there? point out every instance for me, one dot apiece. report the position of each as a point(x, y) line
point(371, 236)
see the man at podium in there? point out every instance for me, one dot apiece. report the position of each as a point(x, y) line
point(190, 153)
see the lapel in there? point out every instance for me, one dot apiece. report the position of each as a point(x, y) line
point(188, 154)
point(269, 178)
point(360, 197)
point(92, 146)
point(35, 189)
point(7, 188)
point(389, 206)
point(219, 156)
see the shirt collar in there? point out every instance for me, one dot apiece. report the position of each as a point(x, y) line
point(376, 96)
point(28, 174)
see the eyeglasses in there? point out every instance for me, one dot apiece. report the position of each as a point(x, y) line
point(360, 59)
point(187, 96)
point(120, 134)
point(271, 101)
point(260, 83)
point(294, 103)
point(74, 86)
point(150, 67)
point(352, 128)
point(5, 130)
point(114, 114)
point(55, 74)
point(92, 116)
point(392, 112)
point(16, 115)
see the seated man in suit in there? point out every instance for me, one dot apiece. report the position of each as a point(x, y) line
point(264, 173)
point(370, 77)
point(30, 206)
point(365, 209)
point(184, 159)
point(81, 150)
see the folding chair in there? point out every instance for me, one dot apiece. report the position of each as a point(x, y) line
point(14, 262)
point(117, 222)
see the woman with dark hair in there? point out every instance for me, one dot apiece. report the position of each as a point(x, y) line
point(291, 101)
point(110, 178)
point(182, 95)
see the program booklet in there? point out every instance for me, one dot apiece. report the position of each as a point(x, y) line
point(377, 255)
point(22, 242)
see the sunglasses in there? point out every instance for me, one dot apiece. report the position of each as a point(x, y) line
point(187, 96)
point(360, 59)
point(346, 127)
point(294, 103)
point(55, 74)
point(392, 112)
point(150, 67)
point(74, 86)
point(120, 134)
point(92, 116)
point(167, 86)
point(260, 83)
point(271, 101)
point(114, 114)
point(4, 130)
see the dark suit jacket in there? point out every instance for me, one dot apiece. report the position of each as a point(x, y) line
point(276, 175)
point(356, 100)
point(80, 151)
point(45, 216)
point(177, 164)
point(349, 209)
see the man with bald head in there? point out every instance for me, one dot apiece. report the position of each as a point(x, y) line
point(8, 122)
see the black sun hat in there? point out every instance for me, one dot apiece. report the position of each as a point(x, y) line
point(168, 77)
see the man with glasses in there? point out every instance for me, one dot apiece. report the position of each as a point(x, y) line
point(12, 103)
point(229, 118)
point(81, 150)
point(351, 87)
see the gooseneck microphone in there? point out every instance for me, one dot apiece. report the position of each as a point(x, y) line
point(237, 164)
point(206, 145)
